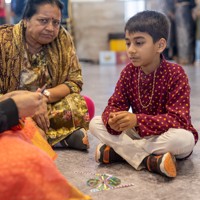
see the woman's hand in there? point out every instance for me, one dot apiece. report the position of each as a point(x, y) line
point(41, 118)
point(122, 120)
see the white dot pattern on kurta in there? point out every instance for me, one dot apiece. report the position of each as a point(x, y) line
point(170, 106)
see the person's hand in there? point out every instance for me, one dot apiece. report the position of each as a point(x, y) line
point(112, 121)
point(41, 118)
point(42, 121)
point(122, 120)
point(13, 93)
point(29, 103)
point(32, 104)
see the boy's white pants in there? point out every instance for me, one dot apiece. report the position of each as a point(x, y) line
point(130, 146)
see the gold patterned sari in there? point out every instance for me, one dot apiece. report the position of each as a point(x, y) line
point(56, 64)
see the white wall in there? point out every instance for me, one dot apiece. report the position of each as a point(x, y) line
point(92, 22)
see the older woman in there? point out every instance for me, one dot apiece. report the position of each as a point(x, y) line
point(39, 52)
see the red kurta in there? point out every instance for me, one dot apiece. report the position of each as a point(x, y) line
point(170, 103)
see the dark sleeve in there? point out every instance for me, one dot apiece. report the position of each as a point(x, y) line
point(9, 116)
point(192, 4)
point(12, 5)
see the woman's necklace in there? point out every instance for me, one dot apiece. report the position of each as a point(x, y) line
point(152, 91)
point(33, 50)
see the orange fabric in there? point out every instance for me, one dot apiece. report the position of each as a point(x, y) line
point(32, 133)
point(27, 172)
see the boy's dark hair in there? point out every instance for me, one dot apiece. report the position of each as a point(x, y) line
point(154, 23)
point(31, 6)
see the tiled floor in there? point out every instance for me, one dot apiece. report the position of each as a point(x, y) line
point(78, 167)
